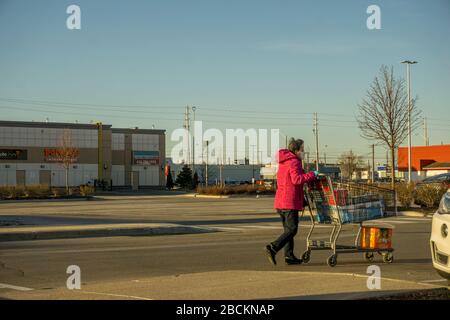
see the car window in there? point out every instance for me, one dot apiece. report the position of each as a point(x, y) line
point(438, 178)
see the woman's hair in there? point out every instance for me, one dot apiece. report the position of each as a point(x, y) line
point(295, 145)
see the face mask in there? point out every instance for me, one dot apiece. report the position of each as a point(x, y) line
point(302, 155)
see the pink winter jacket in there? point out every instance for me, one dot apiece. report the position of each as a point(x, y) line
point(290, 180)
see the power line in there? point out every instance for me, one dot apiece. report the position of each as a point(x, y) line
point(221, 109)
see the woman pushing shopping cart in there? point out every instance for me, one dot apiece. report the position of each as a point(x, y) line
point(328, 204)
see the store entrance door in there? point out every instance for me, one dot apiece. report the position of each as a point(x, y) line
point(20, 177)
point(135, 180)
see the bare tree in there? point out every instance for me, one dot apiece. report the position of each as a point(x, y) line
point(349, 162)
point(67, 155)
point(383, 113)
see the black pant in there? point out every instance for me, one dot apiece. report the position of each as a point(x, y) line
point(289, 219)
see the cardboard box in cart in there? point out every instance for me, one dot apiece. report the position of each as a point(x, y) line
point(376, 238)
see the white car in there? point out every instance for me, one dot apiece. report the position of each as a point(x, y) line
point(440, 239)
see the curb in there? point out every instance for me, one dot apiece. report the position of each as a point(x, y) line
point(414, 214)
point(96, 231)
point(209, 196)
point(93, 198)
point(231, 196)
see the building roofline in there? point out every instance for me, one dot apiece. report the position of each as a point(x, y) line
point(68, 125)
point(138, 130)
point(425, 147)
point(438, 166)
point(39, 124)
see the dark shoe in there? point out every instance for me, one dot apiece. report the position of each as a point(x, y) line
point(271, 254)
point(292, 260)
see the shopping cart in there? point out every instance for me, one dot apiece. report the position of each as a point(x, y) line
point(338, 204)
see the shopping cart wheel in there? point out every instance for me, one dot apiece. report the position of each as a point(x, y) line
point(306, 256)
point(388, 257)
point(332, 260)
point(368, 256)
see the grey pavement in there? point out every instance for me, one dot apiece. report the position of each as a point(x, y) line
point(95, 230)
point(229, 264)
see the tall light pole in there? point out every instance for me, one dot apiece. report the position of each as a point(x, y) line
point(206, 166)
point(193, 142)
point(408, 76)
point(316, 133)
point(253, 163)
point(286, 139)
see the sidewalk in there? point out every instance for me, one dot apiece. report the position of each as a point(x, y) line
point(236, 284)
point(97, 230)
point(415, 214)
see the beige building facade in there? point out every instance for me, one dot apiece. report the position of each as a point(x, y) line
point(33, 152)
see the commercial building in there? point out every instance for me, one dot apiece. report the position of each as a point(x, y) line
point(34, 152)
point(426, 161)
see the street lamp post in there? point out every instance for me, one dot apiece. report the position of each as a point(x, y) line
point(408, 76)
point(253, 163)
point(193, 142)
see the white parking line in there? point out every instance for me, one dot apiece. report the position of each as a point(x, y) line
point(424, 219)
point(9, 286)
point(436, 280)
point(225, 228)
point(116, 295)
point(262, 227)
point(392, 221)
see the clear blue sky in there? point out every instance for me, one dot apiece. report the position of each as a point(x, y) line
point(279, 59)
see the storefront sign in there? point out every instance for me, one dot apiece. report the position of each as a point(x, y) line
point(146, 158)
point(59, 155)
point(13, 154)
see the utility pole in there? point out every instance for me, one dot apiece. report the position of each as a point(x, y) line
point(193, 143)
point(387, 163)
point(307, 161)
point(425, 132)
point(408, 76)
point(188, 128)
point(253, 162)
point(221, 172)
point(349, 168)
point(206, 167)
point(100, 151)
point(316, 132)
point(373, 163)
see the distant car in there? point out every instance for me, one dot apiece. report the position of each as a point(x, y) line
point(440, 240)
point(440, 178)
